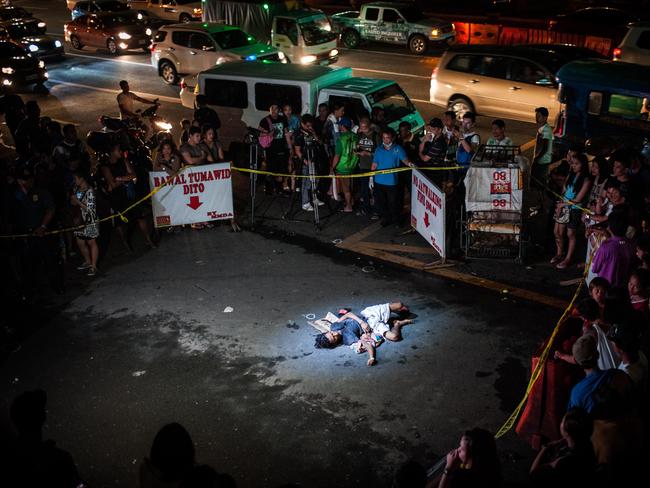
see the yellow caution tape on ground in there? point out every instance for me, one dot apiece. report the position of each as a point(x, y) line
point(541, 363)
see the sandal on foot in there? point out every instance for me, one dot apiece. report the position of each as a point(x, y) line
point(556, 259)
point(562, 265)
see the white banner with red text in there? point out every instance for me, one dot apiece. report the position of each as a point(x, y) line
point(195, 195)
point(493, 189)
point(428, 211)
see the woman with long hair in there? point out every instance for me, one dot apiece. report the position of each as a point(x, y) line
point(568, 212)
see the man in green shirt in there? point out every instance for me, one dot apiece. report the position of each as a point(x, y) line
point(345, 160)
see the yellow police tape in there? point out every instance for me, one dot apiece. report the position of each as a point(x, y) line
point(355, 175)
point(233, 168)
point(562, 197)
point(541, 363)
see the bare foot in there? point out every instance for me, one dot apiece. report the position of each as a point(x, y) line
point(404, 322)
point(371, 362)
point(235, 227)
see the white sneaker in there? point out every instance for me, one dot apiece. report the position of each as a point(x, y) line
point(318, 202)
point(307, 207)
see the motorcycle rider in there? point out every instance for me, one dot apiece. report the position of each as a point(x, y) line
point(125, 101)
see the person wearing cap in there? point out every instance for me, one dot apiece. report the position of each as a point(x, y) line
point(585, 354)
point(32, 211)
point(543, 155)
point(345, 161)
point(626, 338)
point(388, 156)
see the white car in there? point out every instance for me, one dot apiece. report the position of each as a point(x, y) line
point(635, 46)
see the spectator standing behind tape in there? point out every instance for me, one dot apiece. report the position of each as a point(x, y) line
point(277, 154)
point(615, 257)
point(543, 155)
point(367, 142)
point(468, 142)
point(345, 161)
point(83, 197)
point(388, 156)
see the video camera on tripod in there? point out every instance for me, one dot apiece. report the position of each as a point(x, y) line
point(252, 135)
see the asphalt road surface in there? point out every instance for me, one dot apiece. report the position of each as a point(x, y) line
point(85, 84)
point(149, 342)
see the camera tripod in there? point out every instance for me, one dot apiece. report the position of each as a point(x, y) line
point(309, 157)
point(253, 158)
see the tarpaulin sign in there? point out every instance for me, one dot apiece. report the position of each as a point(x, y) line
point(493, 189)
point(197, 194)
point(428, 211)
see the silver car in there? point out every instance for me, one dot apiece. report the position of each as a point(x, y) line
point(196, 46)
point(502, 81)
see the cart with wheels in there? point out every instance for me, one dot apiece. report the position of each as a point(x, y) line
point(492, 225)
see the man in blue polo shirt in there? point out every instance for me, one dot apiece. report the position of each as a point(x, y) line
point(388, 156)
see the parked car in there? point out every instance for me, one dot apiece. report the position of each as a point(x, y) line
point(88, 7)
point(19, 68)
point(610, 23)
point(392, 23)
point(502, 81)
point(11, 13)
point(31, 34)
point(196, 46)
point(635, 46)
point(115, 31)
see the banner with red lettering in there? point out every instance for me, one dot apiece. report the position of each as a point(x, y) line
point(197, 194)
point(493, 189)
point(428, 211)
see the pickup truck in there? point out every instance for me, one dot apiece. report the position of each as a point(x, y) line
point(169, 10)
point(392, 23)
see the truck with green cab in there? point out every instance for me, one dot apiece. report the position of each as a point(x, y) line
point(392, 23)
point(242, 94)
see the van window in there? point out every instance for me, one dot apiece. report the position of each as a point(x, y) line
point(644, 40)
point(267, 93)
point(226, 93)
point(354, 108)
point(494, 67)
point(289, 28)
point(464, 63)
point(625, 106)
point(372, 13)
point(527, 72)
point(201, 42)
point(181, 38)
point(595, 103)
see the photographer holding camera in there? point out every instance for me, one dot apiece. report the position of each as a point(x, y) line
point(305, 145)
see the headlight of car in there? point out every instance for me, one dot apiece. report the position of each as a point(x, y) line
point(33, 48)
point(434, 32)
point(124, 35)
point(308, 59)
point(148, 31)
point(281, 55)
point(198, 11)
point(7, 71)
point(57, 43)
point(41, 64)
point(334, 52)
point(42, 25)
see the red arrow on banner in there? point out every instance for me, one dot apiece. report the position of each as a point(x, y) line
point(426, 219)
point(194, 203)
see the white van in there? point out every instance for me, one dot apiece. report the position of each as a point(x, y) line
point(242, 93)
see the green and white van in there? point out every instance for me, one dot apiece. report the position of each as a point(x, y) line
point(242, 93)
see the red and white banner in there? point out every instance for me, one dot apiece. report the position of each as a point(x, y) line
point(493, 189)
point(197, 194)
point(428, 211)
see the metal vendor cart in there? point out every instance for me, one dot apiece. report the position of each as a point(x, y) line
point(492, 225)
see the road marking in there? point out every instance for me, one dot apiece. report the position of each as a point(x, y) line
point(363, 248)
point(124, 61)
point(419, 100)
point(391, 73)
point(361, 51)
point(114, 92)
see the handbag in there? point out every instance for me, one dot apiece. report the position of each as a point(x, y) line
point(562, 215)
point(266, 138)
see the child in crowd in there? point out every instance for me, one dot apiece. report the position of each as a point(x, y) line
point(637, 287)
point(598, 288)
point(185, 131)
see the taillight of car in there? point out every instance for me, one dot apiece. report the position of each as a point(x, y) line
point(183, 85)
point(434, 75)
point(152, 48)
point(560, 123)
point(617, 54)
